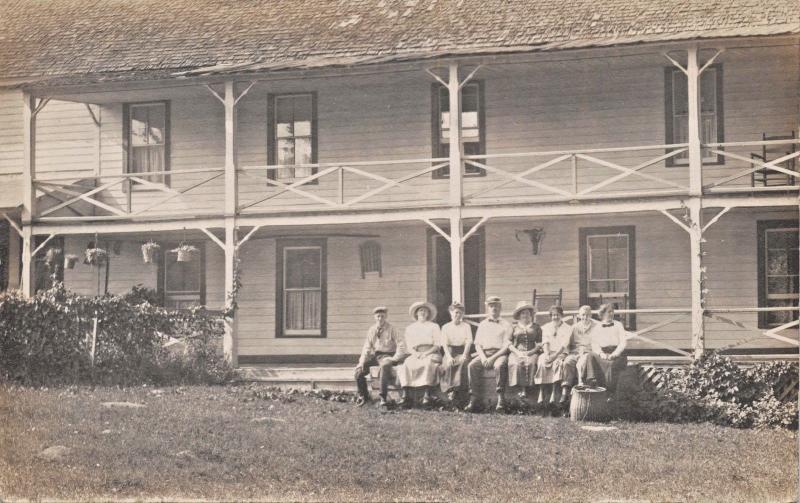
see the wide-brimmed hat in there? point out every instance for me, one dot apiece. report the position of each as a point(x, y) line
point(416, 305)
point(521, 306)
point(380, 309)
point(456, 305)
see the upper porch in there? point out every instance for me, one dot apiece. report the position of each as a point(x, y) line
point(569, 132)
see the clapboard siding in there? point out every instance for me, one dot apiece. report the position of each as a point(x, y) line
point(529, 106)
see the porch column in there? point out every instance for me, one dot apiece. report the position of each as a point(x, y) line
point(695, 202)
point(456, 186)
point(28, 192)
point(230, 343)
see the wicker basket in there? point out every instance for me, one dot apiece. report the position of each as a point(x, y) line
point(588, 404)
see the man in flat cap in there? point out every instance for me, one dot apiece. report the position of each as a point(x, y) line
point(385, 347)
point(491, 343)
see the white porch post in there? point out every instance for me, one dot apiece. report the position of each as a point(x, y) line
point(695, 202)
point(230, 343)
point(456, 186)
point(28, 191)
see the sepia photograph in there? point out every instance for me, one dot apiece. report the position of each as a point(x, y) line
point(399, 250)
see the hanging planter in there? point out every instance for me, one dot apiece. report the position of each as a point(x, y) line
point(95, 256)
point(70, 260)
point(53, 256)
point(150, 251)
point(185, 252)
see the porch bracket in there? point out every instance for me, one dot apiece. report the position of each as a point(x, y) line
point(474, 229)
point(437, 229)
point(711, 60)
point(469, 77)
point(40, 105)
point(215, 93)
point(243, 93)
point(213, 237)
point(13, 224)
point(675, 219)
point(716, 218)
point(678, 65)
point(441, 81)
point(39, 248)
point(95, 118)
point(247, 236)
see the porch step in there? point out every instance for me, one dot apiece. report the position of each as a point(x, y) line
point(338, 378)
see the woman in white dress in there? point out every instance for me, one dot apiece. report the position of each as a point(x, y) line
point(423, 342)
point(456, 343)
point(549, 369)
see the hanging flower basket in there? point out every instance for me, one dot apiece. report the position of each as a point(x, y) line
point(95, 256)
point(70, 260)
point(185, 252)
point(53, 256)
point(150, 251)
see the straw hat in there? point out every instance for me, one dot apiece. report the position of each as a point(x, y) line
point(380, 309)
point(493, 299)
point(521, 306)
point(416, 305)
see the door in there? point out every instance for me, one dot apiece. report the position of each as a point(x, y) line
point(440, 286)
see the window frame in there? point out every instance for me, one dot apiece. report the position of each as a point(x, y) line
point(280, 246)
point(127, 144)
point(763, 226)
point(583, 269)
point(669, 116)
point(161, 281)
point(272, 140)
point(436, 144)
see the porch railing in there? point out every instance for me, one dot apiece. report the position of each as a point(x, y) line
point(547, 176)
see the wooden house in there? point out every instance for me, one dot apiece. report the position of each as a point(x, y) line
point(641, 153)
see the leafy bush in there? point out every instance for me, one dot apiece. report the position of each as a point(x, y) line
point(48, 340)
point(715, 389)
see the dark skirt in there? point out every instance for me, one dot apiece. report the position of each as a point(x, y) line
point(453, 377)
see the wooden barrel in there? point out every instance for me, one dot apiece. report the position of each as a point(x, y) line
point(588, 404)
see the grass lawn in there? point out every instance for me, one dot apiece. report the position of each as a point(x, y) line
point(227, 443)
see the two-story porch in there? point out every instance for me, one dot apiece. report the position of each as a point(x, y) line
point(631, 175)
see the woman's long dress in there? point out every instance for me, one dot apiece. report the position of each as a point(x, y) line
point(455, 337)
point(421, 370)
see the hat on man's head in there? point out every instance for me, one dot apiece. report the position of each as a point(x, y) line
point(416, 305)
point(522, 306)
point(456, 305)
point(380, 309)
point(493, 299)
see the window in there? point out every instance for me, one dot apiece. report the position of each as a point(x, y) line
point(301, 288)
point(182, 284)
point(608, 269)
point(473, 125)
point(292, 135)
point(677, 112)
point(777, 270)
point(147, 139)
point(370, 252)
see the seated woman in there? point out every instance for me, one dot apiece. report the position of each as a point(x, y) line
point(606, 360)
point(526, 345)
point(549, 369)
point(422, 340)
point(456, 343)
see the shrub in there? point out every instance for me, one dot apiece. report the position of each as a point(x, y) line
point(715, 389)
point(48, 340)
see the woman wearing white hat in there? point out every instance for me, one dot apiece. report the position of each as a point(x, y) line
point(526, 345)
point(422, 338)
point(456, 343)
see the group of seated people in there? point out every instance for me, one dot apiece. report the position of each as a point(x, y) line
point(553, 358)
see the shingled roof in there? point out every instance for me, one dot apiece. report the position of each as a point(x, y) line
point(110, 39)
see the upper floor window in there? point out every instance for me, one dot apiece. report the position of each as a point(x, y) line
point(778, 271)
point(147, 138)
point(292, 135)
point(677, 112)
point(473, 127)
